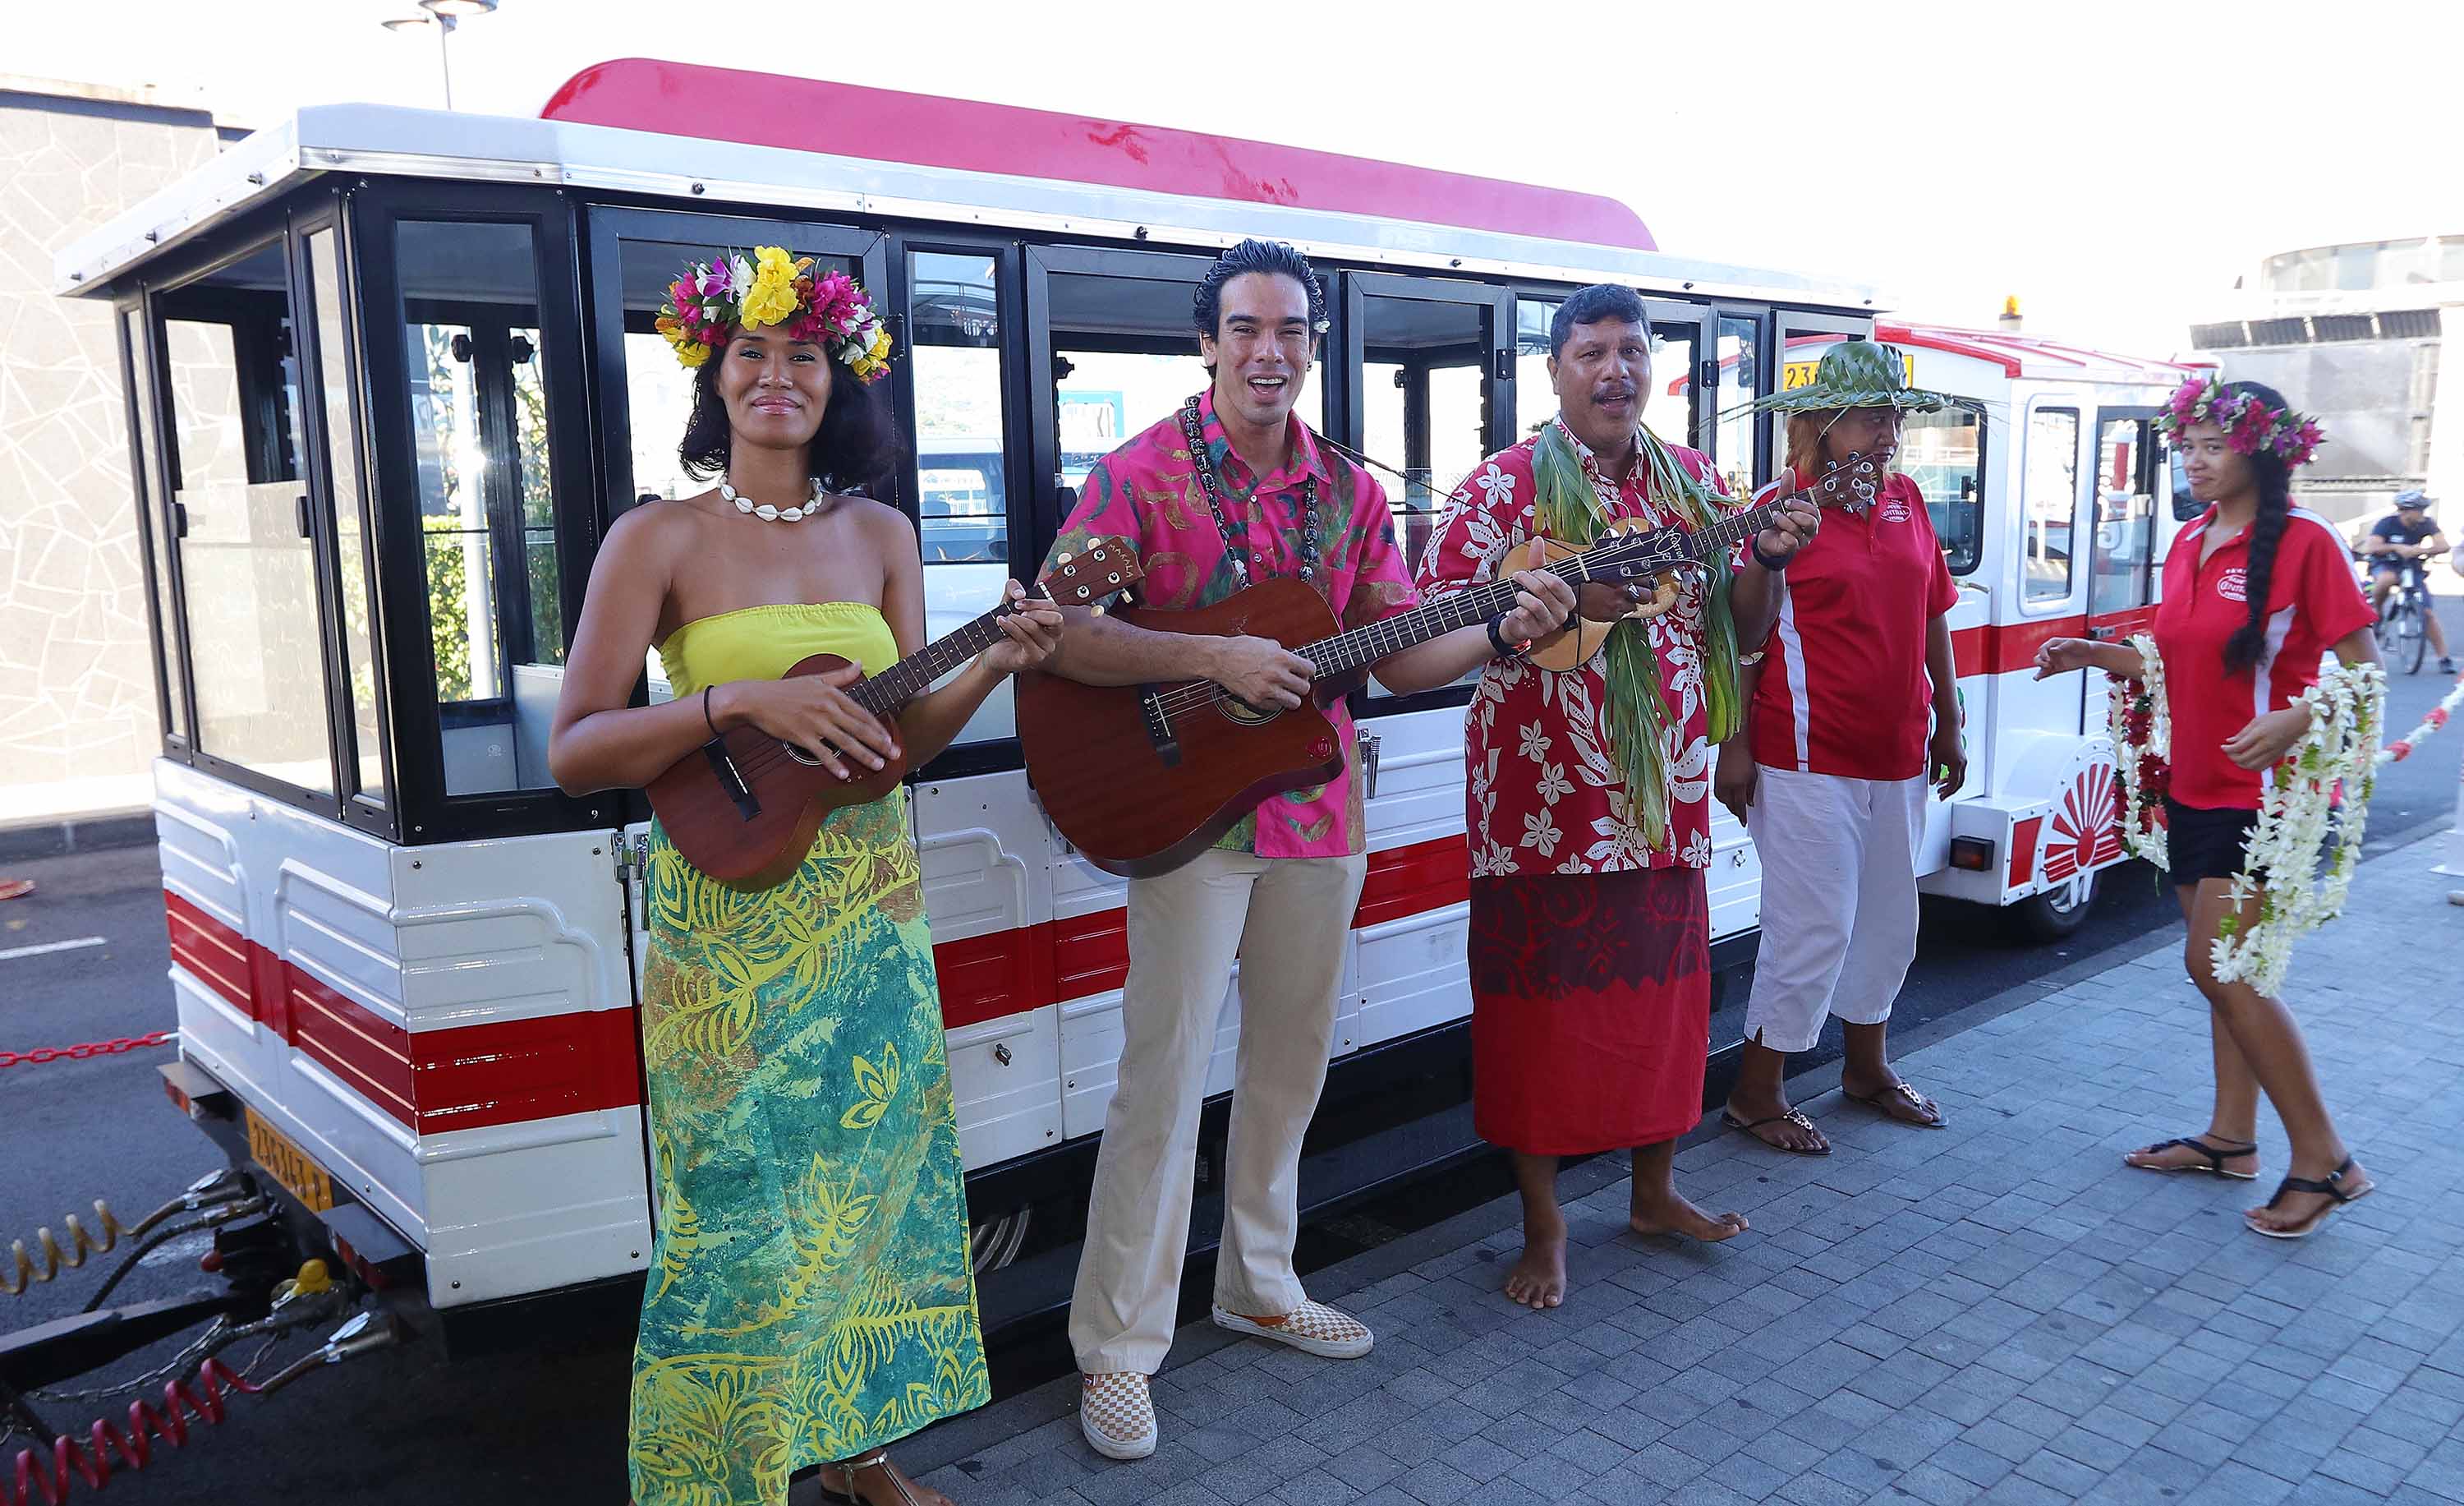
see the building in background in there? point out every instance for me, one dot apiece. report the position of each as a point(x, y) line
point(2354, 333)
point(77, 719)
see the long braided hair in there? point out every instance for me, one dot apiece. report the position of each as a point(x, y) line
point(2273, 482)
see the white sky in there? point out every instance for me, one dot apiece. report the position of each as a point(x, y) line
point(2116, 165)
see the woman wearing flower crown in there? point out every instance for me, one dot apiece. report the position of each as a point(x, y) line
point(2254, 591)
point(810, 1295)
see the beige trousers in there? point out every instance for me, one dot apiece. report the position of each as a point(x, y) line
point(1286, 918)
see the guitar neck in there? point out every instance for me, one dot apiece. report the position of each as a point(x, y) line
point(885, 693)
point(1365, 646)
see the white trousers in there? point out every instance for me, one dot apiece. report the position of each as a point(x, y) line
point(1839, 900)
point(1286, 918)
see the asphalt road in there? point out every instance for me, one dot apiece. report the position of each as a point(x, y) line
point(406, 1427)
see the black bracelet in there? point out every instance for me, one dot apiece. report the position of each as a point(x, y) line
point(1755, 544)
point(1497, 639)
point(705, 710)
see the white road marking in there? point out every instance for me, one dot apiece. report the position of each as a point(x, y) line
point(15, 952)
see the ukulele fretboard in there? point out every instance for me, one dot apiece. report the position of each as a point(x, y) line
point(885, 693)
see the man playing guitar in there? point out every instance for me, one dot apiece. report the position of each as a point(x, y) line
point(1588, 795)
point(1236, 488)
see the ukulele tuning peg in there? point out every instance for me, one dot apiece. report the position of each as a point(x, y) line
point(1113, 578)
point(1096, 610)
point(1062, 558)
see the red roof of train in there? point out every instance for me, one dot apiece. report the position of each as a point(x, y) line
point(887, 125)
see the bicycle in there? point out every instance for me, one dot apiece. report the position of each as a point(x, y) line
point(2403, 630)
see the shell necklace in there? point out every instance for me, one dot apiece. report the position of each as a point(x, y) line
point(769, 514)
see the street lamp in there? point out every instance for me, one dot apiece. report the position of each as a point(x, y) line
point(444, 16)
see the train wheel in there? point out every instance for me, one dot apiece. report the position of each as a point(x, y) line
point(2054, 913)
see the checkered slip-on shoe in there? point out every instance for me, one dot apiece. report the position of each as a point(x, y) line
point(1311, 1328)
point(1116, 1414)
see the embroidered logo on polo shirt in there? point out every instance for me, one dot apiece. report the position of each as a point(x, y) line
point(1894, 510)
point(2233, 585)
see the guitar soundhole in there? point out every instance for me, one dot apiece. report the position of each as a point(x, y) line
point(801, 756)
point(1235, 709)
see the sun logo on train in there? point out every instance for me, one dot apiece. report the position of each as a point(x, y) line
point(2086, 831)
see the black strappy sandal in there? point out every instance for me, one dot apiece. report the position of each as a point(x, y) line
point(2217, 1159)
point(877, 1459)
point(2331, 1187)
point(1792, 1117)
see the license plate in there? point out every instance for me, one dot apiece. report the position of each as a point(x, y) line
point(305, 1180)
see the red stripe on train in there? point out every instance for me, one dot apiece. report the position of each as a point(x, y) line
point(1999, 649)
point(510, 1070)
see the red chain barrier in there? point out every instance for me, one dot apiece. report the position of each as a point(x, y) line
point(79, 1053)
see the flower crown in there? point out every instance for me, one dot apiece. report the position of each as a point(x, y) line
point(2249, 423)
point(714, 297)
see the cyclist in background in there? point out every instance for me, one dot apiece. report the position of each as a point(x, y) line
point(2398, 545)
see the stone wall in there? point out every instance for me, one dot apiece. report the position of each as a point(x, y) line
point(76, 698)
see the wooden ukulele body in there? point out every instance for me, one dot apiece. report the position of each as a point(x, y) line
point(744, 810)
point(1143, 778)
point(1569, 648)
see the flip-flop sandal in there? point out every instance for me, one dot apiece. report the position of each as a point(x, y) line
point(15, 888)
point(1880, 1103)
point(2217, 1159)
point(2330, 1187)
point(1792, 1117)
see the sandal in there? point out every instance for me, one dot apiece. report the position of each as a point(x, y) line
point(1792, 1117)
point(2217, 1159)
point(2329, 1187)
point(877, 1459)
point(1880, 1103)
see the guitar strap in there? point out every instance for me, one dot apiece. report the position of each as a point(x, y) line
point(1193, 428)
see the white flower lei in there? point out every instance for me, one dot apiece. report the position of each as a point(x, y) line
point(2339, 752)
point(2140, 838)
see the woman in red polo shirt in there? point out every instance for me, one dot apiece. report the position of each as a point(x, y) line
point(2254, 589)
point(1832, 773)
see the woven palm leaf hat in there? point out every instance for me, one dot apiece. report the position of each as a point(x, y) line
point(1854, 373)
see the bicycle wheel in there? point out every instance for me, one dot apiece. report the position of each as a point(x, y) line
point(2391, 612)
point(2412, 641)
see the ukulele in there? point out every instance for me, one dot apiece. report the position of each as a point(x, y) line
point(1142, 778)
point(1851, 481)
point(744, 806)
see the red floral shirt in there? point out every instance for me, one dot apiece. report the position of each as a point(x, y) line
point(1148, 492)
point(1546, 794)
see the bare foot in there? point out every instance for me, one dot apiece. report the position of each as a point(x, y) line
point(2289, 1209)
point(1538, 1280)
point(1777, 1125)
point(1677, 1216)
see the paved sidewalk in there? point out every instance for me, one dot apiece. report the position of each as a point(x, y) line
point(1995, 1312)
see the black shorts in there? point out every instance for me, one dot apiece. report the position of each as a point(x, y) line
point(2204, 844)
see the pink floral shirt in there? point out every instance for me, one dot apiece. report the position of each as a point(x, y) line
point(1148, 492)
point(1545, 793)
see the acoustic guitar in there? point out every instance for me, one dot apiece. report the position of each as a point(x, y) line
point(744, 806)
point(1142, 778)
point(1851, 481)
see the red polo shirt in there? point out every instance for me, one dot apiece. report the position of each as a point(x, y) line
point(1843, 687)
point(2313, 603)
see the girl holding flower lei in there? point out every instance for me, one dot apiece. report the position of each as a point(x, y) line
point(2254, 589)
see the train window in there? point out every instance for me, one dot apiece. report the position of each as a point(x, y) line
point(2125, 518)
point(158, 534)
point(962, 509)
point(245, 553)
point(350, 534)
point(1739, 371)
point(478, 400)
point(1943, 453)
point(1536, 399)
point(2050, 503)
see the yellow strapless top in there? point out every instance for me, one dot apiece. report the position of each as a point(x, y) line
point(766, 642)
